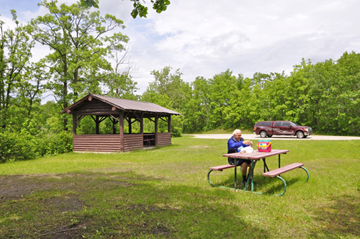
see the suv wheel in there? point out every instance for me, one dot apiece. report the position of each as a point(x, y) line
point(300, 134)
point(263, 134)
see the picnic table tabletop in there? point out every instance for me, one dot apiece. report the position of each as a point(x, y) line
point(256, 154)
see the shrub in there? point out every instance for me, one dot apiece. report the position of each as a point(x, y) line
point(22, 146)
point(16, 147)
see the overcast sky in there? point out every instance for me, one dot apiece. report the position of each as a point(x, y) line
point(207, 37)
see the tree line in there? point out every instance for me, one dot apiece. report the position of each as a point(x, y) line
point(324, 96)
point(87, 54)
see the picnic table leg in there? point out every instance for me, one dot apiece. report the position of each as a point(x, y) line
point(284, 186)
point(252, 176)
point(265, 165)
point(235, 171)
point(250, 179)
point(279, 160)
point(307, 172)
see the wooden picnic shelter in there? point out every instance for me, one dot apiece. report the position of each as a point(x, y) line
point(119, 111)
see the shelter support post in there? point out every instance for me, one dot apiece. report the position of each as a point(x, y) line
point(130, 123)
point(122, 130)
point(169, 123)
point(97, 123)
point(142, 123)
point(74, 124)
point(156, 129)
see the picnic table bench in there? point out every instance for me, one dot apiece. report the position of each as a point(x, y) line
point(267, 173)
point(149, 139)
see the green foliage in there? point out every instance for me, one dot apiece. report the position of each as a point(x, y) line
point(53, 144)
point(15, 147)
point(170, 91)
point(324, 96)
point(176, 129)
point(23, 146)
point(139, 9)
point(16, 93)
point(80, 42)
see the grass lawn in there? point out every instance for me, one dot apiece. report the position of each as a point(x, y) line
point(164, 193)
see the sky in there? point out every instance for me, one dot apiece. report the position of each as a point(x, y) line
point(207, 37)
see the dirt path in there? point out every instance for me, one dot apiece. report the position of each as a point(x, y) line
point(275, 137)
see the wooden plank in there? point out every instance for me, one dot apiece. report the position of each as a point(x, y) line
point(257, 155)
point(221, 167)
point(133, 141)
point(97, 143)
point(164, 139)
point(278, 171)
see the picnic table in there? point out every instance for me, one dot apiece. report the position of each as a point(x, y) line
point(255, 157)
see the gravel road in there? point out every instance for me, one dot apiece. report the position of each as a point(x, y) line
point(275, 137)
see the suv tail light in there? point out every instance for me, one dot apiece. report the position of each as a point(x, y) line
point(254, 128)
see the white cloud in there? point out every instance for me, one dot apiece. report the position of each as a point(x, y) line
point(204, 38)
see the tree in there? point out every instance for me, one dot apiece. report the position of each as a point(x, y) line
point(222, 87)
point(197, 110)
point(15, 51)
point(32, 85)
point(170, 91)
point(139, 9)
point(120, 83)
point(79, 41)
point(345, 94)
point(238, 114)
point(169, 84)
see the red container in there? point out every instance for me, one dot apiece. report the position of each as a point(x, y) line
point(264, 146)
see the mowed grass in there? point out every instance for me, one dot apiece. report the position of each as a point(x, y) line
point(164, 193)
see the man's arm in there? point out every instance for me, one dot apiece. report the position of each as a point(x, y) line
point(235, 145)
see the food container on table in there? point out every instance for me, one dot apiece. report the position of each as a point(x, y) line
point(264, 146)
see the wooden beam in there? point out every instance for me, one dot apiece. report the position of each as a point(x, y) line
point(97, 123)
point(102, 119)
point(114, 122)
point(74, 124)
point(118, 120)
point(156, 129)
point(122, 131)
point(141, 124)
point(80, 118)
point(169, 124)
point(130, 123)
point(151, 119)
point(165, 120)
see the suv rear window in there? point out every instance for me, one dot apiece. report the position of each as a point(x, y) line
point(263, 123)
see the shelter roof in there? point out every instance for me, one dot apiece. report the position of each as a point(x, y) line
point(123, 104)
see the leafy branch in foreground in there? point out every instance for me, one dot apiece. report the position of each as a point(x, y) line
point(139, 8)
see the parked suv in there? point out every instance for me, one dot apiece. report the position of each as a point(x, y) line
point(270, 128)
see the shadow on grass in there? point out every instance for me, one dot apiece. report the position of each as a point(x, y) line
point(119, 205)
point(262, 184)
point(341, 220)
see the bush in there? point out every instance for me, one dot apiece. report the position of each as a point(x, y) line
point(176, 132)
point(15, 147)
point(52, 144)
point(21, 146)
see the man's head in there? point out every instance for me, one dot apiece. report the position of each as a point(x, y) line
point(237, 134)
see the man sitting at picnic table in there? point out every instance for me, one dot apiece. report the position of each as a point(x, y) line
point(234, 143)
